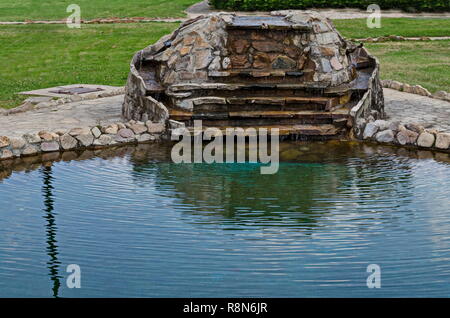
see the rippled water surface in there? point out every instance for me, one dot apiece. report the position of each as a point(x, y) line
point(139, 225)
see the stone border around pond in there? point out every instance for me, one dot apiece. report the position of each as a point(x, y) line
point(396, 133)
point(133, 132)
point(81, 138)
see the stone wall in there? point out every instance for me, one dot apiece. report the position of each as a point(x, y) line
point(297, 48)
point(81, 138)
point(397, 133)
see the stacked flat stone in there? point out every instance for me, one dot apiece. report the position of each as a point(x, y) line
point(302, 49)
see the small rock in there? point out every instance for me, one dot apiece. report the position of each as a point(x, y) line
point(110, 129)
point(138, 128)
point(156, 128)
point(386, 83)
point(394, 126)
point(125, 133)
point(17, 143)
point(96, 132)
point(381, 124)
point(396, 85)
point(284, 62)
point(4, 141)
point(370, 130)
point(443, 141)
point(32, 138)
point(85, 140)
point(6, 154)
point(336, 64)
point(415, 127)
point(68, 142)
point(407, 137)
point(419, 90)
point(49, 146)
point(30, 150)
point(103, 140)
point(426, 139)
point(79, 131)
point(407, 88)
point(145, 137)
point(45, 135)
point(386, 136)
point(440, 94)
point(121, 126)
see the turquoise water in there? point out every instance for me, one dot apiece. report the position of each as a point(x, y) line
point(140, 226)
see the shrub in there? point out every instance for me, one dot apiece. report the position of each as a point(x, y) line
point(267, 5)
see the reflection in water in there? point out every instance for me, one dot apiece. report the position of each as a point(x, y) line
point(332, 176)
point(52, 248)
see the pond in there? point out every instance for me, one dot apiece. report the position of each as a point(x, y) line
point(140, 226)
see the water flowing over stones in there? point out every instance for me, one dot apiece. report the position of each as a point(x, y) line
point(292, 71)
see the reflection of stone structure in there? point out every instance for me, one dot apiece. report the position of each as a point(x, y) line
point(293, 71)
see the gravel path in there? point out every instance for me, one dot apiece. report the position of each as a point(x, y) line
point(347, 13)
point(399, 106)
point(203, 8)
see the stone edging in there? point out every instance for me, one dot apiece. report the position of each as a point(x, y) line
point(396, 133)
point(98, 21)
point(391, 38)
point(366, 127)
point(415, 89)
point(81, 138)
point(29, 104)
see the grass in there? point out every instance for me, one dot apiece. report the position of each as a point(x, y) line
point(357, 28)
point(425, 63)
point(20, 10)
point(39, 56)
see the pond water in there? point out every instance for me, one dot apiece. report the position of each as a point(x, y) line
point(141, 226)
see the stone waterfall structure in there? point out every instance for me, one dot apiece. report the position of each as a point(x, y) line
point(291, 71)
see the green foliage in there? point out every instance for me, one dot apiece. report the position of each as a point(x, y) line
point(266, 5)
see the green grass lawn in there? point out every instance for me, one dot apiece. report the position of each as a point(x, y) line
point(357, 28)
point(20, 10)
point(425, 63)
point(39, 56)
